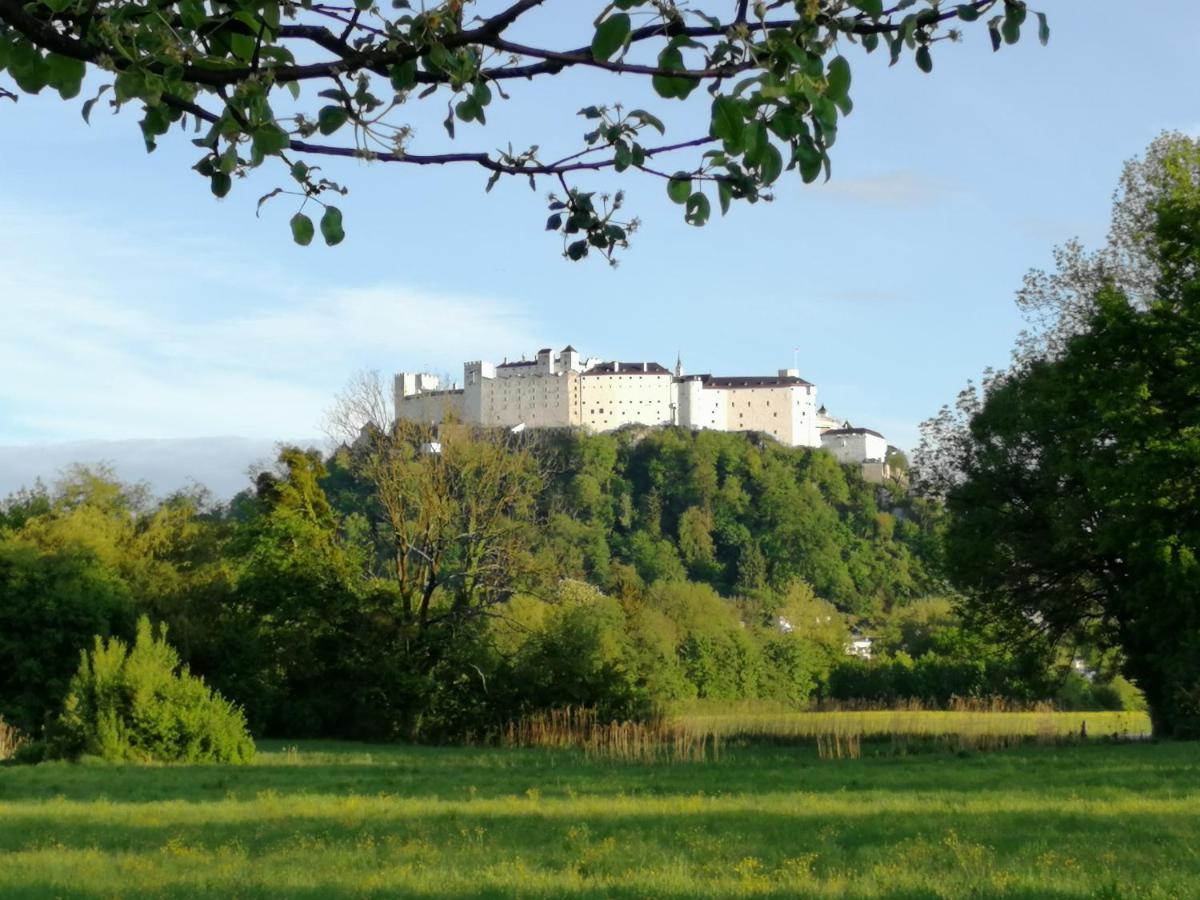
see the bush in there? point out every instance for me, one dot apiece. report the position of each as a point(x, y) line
point(1077, 693)
point(137, 704)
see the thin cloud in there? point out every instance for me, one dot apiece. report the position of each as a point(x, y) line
point(107, 357)
point(901, 189)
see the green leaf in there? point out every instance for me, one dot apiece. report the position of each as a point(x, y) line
point(610, 36)
point(668, 86)
point(771, 165)
point(129, 84)
point(64, 74)
point(269, 140)
point(994, 33)
point(967, 12)
point(578, 250)
point(838, 80)
point(698, 209)
point(331, 226)
point(623, 157)
point(728, 123)
point(1011, 29)
point(1043, 29)
point(228, 160)
point(404, 75)
point(679, 187)
point(331, 118)
point(302, 229)
point(646, 118)
point(87, 106)
point(809, 159)
point(873, 8)
point(924, 59)
point(220, 184)
point(467, 109)
point(724, 195)
point(264, 198)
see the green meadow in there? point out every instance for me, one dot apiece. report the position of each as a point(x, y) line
point(317, 820)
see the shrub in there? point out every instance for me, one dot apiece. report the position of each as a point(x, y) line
point(138, 704)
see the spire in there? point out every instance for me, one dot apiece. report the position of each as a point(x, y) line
point(678, 364)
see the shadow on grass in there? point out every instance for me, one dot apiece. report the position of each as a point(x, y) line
point(453, 773)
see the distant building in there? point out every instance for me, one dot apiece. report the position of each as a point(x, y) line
point(556, 390)
point(862, 447)
point(860, 646)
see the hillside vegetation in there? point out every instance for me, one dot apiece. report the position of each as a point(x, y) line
point(389, 592)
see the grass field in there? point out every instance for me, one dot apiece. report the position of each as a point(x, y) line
point(323, 820)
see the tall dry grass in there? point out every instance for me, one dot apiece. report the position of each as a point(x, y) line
point(11, 740)
point(838, 733)
point(656, 739)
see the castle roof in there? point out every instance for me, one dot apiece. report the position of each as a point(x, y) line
point(850, 431)
point(753, 381)
point(513, 365)
point(568, 349)
point(627, 368)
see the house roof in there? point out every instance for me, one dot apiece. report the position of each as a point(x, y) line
point(627, 368)
point(850, 431)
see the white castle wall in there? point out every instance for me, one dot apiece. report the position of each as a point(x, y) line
point(701, 407)
point(563, 390)
point(855, 445)
point(608, 401)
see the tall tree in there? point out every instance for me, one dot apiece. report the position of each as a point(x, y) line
point(269, 81)
point(454, 506)
point(1074, 506)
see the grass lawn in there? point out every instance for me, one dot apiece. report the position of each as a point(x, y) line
point(340, 820)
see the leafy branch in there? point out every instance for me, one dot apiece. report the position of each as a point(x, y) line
point(245, 74)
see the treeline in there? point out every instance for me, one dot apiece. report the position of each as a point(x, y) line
point(403, 588)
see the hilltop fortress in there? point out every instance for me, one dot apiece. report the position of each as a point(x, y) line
point(564, 390)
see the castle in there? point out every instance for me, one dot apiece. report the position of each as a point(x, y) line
point(565, 390)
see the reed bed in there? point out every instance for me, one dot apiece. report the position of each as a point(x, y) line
point(11, 740)
point(656, 739)
point(698, 735)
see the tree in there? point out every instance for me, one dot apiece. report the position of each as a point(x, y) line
point(268, 81)
point(51, 604)
point(1060, 304)
point(1074, 508)
point(454, 506)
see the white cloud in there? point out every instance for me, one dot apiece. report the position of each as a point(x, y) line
point(220, 464)
point(93, 346)
point(902, 189)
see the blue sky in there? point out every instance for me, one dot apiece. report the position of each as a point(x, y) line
point(137, 306)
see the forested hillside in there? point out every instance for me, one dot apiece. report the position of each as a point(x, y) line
point(392, 591)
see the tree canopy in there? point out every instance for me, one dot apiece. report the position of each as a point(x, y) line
point(280, 82)
point(1073, 485)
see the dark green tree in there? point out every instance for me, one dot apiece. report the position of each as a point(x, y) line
point(1073, 505)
